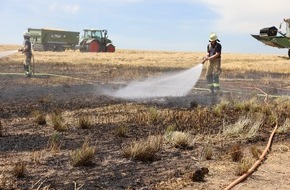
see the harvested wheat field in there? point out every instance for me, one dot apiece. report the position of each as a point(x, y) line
point(61, 129)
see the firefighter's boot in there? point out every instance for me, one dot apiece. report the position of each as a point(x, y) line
point(210, 83)
point(216, 83)
point(27, 70)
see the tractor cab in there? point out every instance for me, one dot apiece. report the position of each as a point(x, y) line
point(99, 34)
point(96, 41)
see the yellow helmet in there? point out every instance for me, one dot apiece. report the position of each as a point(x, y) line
point(213, 37)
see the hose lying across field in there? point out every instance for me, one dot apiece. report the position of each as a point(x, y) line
point(257, 163)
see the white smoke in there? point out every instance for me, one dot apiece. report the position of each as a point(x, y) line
point(175, 85)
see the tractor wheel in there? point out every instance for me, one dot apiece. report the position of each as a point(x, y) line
point(94, 46)
point(110, 48)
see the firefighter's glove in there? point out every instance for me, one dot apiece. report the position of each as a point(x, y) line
point(204, 59)
point(20, 50)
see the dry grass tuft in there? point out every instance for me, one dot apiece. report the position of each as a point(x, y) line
point(83, 156)
point(256, 152)
point(57, 121)
point(54, 143)
point(3, 180)
point(244, 165)
point(122, 131)
point(254, 126)
point(235, 129)
point(179, 139)
point(144, 150)
point(245, 127)
point(219, 108)
point(153, 115)
point(85, 122)
point(285, 127)
point(208, 151)
point(19, 170)
point(236, 153)
point(40, 118)
point(170, 129)
point(1, 129)
point(36, 157)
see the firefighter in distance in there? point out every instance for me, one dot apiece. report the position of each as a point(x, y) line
point(26, 50)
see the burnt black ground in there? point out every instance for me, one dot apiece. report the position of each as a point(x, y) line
point(21, 96)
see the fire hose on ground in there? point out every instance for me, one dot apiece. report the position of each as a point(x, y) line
point(256, 164)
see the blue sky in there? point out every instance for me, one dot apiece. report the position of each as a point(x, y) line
point(166, 25)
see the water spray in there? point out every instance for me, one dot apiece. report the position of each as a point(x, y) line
point(175, 84)
point(7, 53)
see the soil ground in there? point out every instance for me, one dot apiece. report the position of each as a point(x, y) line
point(79, 89)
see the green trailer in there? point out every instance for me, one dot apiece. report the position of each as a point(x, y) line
point(44, 39)
point(271, 36)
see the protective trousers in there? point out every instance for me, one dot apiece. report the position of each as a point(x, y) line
point(212, 74)
point(27, 65)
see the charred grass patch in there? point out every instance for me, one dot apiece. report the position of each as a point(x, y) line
point(152, 131)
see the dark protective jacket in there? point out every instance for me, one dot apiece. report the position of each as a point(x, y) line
point(27, 48)
point(214, 49)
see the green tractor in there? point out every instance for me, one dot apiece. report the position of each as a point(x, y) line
point(270, 36)
point(95, 41)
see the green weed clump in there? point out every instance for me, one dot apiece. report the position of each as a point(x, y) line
point(144, 150)
point(84, 155)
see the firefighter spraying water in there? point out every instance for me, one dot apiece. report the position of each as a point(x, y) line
point(179, 83)
point(214, 66)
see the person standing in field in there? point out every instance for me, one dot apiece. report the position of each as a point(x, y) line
point(213, 70)
point(26, 49)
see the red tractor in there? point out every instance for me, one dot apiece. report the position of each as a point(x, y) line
point(95, 41)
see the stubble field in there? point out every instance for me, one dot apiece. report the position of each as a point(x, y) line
point(60, 130)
